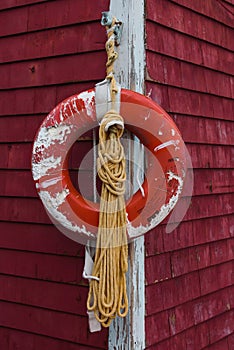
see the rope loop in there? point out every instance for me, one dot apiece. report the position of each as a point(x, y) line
point(107, 296)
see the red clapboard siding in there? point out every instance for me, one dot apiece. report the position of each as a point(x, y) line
point(219, 11)
point(204, 130)
point(176, 100)
point(190, 233)
point(189, 272)
point(23, 340)
point(197, 311)
point(48, 71)
point(46, 50)
point(165, 266)
point(181, 46)
point(44, 294)
point(42, 266)
point(26, 19)
point(52, 42)
point(196, 337)
point(41, 321)
point(37, 238)
point(5, 4)
point(188, 76)
point(182, 19)
point(38, 100)
point(173, 292)
point(28, 126)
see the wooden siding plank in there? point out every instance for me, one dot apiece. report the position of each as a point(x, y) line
point(221, 345)
point(231, 341)
point(45, 267)
point(198, 311)
point(32, 210)
point(37, 238)
point(26, 19)
point(157, 328)
point(216, 332)
point(174, 292)
point(198, 337)
point(48, 71)
point(81, 38)
point(221, 205)
point(18, 156)
point(12, 338)
point(207, 156)
point(194, 258)
point(212, 9)
point(176, 100)
point(157, 268)
point(183, 47)
point(216, 277)
point(22, 128)
point(204, 130)
point(7, 4)
point(40, 321)
point(186, 21)
point(169, 71)
point(38, 100)
point(207, 181)
point(44, 294)
point(188, 234)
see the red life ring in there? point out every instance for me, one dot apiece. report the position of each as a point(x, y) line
point(76, 216)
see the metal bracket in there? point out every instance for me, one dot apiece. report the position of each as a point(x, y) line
point(106, 21)
point(103, 99)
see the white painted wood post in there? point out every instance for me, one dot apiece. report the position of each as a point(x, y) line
point(129, 333)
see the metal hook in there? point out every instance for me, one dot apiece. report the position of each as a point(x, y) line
point(106, 21)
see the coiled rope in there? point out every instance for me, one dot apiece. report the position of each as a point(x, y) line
point(107, 296)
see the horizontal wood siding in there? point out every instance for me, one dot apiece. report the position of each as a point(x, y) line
point(189, 272)
point(49, 50)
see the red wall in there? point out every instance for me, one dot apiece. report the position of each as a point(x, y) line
point(189, 272)
point(49, 50)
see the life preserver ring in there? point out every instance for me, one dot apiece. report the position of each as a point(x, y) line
point(76, 216)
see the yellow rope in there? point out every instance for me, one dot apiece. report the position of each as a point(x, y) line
point(112, 56)
point(108, 296)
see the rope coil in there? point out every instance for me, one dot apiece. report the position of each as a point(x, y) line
point(107, 296)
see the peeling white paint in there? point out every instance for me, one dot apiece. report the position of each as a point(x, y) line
point(73, 102)
point(42, 168)
point(52, 203)
point(166, 144)
point(48, 183)
point(172, 132)
point(51, 135)
point(88, 99)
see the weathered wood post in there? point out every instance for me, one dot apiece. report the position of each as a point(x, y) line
point(129, 333)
